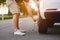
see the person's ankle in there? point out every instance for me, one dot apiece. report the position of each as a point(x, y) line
point(15, 30)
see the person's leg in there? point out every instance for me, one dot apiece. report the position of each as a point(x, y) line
point(17, 31)
point(15, 21)
point(29, 10)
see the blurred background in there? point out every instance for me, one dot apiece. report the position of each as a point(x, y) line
point(7, 15)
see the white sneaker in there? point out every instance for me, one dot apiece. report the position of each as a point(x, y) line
point(22, 31)
point(19, 33)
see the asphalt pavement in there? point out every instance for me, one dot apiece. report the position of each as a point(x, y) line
point(6, 31)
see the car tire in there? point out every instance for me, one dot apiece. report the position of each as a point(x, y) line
point(42, 26)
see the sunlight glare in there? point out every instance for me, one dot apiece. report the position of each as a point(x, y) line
point(33, 5)
point(3, 9)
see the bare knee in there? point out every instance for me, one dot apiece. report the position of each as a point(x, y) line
point(16, 14)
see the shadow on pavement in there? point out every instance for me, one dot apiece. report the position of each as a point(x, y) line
point(54, 30)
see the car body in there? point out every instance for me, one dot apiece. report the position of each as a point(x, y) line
point(48, 15)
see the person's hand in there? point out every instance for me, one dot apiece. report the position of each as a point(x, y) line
point(34, 20)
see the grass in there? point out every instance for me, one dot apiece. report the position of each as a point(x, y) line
point(6, 17)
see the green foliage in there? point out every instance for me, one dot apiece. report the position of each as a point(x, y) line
point(23, 8)
point(2, 1)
